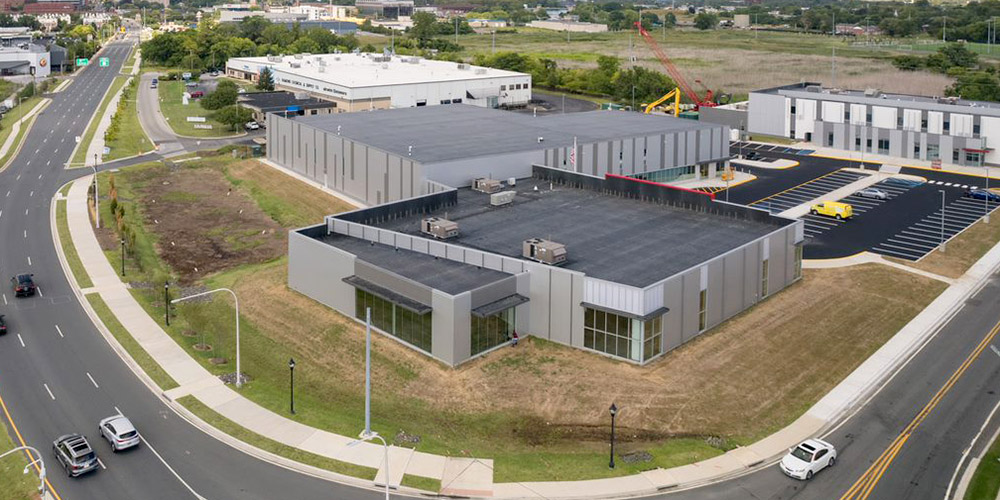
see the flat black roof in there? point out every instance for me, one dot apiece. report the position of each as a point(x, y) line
point(280, 99)
point(457, 131)
point(607, 237)
point(441, 274)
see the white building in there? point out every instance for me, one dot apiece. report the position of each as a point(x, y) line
point(30, 59)
point(362, 82)
point(572, 26)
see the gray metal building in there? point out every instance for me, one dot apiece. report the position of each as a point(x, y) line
point(948, 129)
point(648, 266)
point(390, 155)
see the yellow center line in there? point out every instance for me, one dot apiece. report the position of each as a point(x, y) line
point(50, 488)
point(865, 484)
point(796, 186)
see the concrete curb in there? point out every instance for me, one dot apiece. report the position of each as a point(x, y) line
point(179, 409)
point(31, 123)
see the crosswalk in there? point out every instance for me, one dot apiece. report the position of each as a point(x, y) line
point(816, 225)
point(808, 191)
point(768, 148)
point(921, 237)
point(953, 184)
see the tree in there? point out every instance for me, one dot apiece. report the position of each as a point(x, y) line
point(265, 81)
point(706, 21)
point(908, 63)
point(225, 94)
point(975, 85)
point(424, 26)
point(234, 116)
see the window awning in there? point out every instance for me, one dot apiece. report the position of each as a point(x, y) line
point(645, 317)
point(482, 93)
point(385, 293)
point(974, 150)
point(499, 305)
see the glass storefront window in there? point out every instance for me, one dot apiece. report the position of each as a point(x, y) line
point(622, 336)
point(402, 323)
point(491, 331)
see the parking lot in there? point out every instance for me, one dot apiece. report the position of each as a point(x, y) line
point(769, 148)
point(923, 236)
point(807, 191)
point(906, 225)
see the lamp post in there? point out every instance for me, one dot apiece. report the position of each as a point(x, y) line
point(368, 436)
point(368, 371)
point(239, 374)
point(942, 246)
point(614, 411)
point(166, 302)
point(291, 385)
point(123, 258)
point(40, 467)
point(986, 199)
point(97, 202)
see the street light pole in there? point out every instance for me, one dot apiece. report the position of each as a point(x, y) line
point(368, 371)
point(239, 374)
point(166, 302)
point(40, 468)
point(368, 436)
point(97, 199)
point(942, 219)
point(291, 385)
point(614, 411)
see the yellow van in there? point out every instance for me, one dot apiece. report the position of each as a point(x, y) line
point(834, 209)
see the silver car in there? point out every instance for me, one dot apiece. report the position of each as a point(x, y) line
point(875, 193)
point(119, 432)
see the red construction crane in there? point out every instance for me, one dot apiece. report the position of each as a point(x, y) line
point(674, 73)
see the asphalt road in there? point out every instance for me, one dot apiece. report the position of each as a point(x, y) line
point(65, 377)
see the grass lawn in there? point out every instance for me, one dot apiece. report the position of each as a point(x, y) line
point(421, 483)
point(131, 139)
point(986, 480)
point(72, 258)
point(130, 61)
point(247, 85)
point(7, 124)
point(173, 109)
point(88, 135)
point(124, 338)
point(247, 436)
point(65, 189)
point(584, 97)
point(696, 402)
point(15, 484)
point(962, 251)
point(7, 88)
point(773, 139)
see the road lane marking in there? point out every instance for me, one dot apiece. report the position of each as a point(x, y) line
point(22, 340)
point(863, 487)
point(49, 391)
point(33, 461)
point(29, 262)
point(169, 468)
point(25, 211)
point(31, 193)
point(92, 381)
point(25, 233)
point(99, 462)
point(59, 330)
point(5, 299)
point(37, 288)
point(995, 350)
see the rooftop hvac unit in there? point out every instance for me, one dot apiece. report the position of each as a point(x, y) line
point(502, 198)
point(463, 66)
point(385, 66)
point(872, 92)
point(488, 186)
point(298, 56)
point(294, 64)
point(321, 69)
point(439, 228)
point(544, 251)
point(275, 59)
point(414, 60)
point(322, 62)
point(480, 71)
point(511, 181)
point(813, 88)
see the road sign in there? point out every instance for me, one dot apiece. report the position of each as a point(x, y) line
point(104, 62)
point(82, 61)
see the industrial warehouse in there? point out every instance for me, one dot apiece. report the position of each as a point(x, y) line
point(392, 155)
point(947, 129)
point(545, 231)
point(366, 81)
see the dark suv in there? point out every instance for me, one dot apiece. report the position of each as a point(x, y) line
point(75, 454)
point(24, 285)
point(3, 325)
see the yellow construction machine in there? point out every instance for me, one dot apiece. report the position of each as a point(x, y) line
point(673, 94)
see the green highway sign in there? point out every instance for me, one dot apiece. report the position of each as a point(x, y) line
point(104, 62)
point(82, 61)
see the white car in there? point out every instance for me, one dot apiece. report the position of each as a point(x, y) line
point(875, 193)
point(252, 126)
point(808, 458)
point(119, 432)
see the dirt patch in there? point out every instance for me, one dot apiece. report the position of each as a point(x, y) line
point(753, 374)
point(203, 226)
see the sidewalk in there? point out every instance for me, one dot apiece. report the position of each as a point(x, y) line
point(474, 477)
